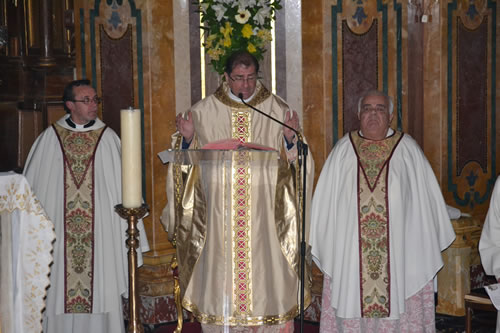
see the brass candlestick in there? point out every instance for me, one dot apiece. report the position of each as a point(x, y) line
point(132, 215)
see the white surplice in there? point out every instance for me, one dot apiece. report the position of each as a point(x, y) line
point(419, 226)
point(489, 243)
point(45, 172)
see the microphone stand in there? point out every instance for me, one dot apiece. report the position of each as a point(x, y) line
point(302, 151)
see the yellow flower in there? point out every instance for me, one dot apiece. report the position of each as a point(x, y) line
point(210, 39)
point(265, 35)
point(215, 53)
point(247, 31)
point(227, 31)
point(251, 48)
point(236, 24)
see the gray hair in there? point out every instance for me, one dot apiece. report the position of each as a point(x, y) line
point(376, 93)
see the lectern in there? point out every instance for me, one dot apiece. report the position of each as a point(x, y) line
point(212, 185)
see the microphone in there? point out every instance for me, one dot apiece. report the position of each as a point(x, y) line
point(302, 151)
point(240, 96)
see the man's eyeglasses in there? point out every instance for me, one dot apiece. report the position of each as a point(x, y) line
point(87, 100)
point(378, 109)
point(241, 79)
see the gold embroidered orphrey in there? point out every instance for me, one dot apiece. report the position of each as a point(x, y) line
point(241, 226)
point(78, 149)
point(373, 205)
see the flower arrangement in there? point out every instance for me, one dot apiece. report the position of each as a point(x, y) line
point(236, 25)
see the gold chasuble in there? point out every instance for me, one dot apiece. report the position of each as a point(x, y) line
point(79, 151)
point(235, 223)
point(373, 222)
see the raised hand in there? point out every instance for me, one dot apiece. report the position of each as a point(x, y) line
point(292, 120)
point(185, 126)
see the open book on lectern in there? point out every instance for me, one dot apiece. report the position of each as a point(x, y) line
point(234, 144)
point(214, 149)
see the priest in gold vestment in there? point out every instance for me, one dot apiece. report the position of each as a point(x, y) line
point(378, 226)
point(239, 261)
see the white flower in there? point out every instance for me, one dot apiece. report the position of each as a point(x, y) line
point(242, 16)
point(220, 10)
point(262, 14)
point(232, 3)
point(244, 4)
point(204, 7)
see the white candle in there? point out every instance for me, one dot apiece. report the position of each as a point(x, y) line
point(131, 158)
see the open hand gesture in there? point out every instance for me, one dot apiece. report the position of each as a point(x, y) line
point(185, 126)
point(292, 120)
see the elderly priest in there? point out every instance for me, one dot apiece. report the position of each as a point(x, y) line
point(378, 226)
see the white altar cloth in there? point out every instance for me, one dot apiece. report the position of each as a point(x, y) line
point(26, 237)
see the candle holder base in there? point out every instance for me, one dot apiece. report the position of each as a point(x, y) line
point(138, 212)
point(132, 215)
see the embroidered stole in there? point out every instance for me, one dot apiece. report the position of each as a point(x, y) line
point(373, 222)
point(79, 152)
point(241, 226)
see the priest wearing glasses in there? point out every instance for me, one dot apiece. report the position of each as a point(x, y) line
point(242, 271)
point(378, 226)
point(74, 168)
